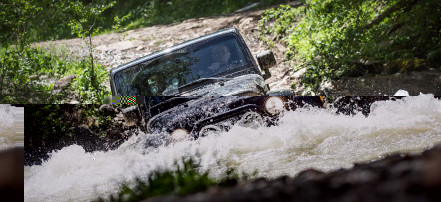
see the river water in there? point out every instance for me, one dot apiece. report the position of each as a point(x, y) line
point(305, 138)
point(11, 126)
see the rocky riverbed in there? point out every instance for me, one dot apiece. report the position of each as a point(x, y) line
point(115, 49)
point(398, 177)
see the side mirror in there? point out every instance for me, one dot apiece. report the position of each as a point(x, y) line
point(266, 60)
point(131, 115)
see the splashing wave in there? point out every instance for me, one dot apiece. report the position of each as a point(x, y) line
point(305, 138)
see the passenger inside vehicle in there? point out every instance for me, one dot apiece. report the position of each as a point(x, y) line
point(221, 55)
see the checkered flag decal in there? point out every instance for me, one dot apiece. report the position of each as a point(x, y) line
point(124, 100)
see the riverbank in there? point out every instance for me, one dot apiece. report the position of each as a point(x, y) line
point(398, 177)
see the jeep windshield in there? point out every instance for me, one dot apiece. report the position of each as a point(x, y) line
point(165, 74)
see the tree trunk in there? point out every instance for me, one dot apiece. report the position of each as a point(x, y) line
point(91, 60)
point(2, 73)
point(399, 5)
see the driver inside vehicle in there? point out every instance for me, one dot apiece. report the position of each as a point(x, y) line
point(221, 55)
point(148, 84)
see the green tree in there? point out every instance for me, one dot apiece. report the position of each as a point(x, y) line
point(17, 17)
point(83, 24)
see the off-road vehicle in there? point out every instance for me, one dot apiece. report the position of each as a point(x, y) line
point(178, 118)
point(219, 64)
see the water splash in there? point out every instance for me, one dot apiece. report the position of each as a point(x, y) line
point(305, 138)
point(401, 93)
point(9, 118)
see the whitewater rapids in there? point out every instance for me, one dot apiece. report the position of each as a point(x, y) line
point(11, 126)
point(305, 138)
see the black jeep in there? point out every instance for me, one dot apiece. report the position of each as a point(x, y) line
point(219, 64)
point(180, 88)
point(178, 118)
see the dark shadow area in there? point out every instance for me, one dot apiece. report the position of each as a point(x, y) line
point(11, 174)
point(51, 127)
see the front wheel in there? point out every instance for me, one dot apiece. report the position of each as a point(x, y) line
point(251, 120)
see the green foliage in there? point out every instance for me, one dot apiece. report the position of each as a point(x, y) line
point(53, 126)
point(337, 38)
point(86, 16)
point(90, 91)
point(163, 12)
point(42, 20)
point(21, 73)
point(16, 18)
point(186, 179)
point(54, 122)
point(16, 83)
point(84, 25)
point(282, 20)
point(19, 17)
point(118, 21)
point(48, 124)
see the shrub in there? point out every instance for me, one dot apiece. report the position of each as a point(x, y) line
point(21, 71)
point(337, 38)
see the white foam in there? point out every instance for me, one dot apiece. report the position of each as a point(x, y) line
point(305, 138)
point(401, 93)
point(7, 127)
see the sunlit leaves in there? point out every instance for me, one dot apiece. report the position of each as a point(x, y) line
point(16, 18)
point(333, 34)
point(20, 74)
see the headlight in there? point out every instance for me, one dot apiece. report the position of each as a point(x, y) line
point(180, 134)
point(274, 105)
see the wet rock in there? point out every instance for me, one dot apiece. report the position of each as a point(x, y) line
point(298, 74)
point(414, 82)
point(432, 167)
point(310, 175)
point(107, 110)
point(326, 86)
point(64, 82)
point(84, 137)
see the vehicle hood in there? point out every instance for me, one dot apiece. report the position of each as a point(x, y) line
point(234, 86)
point(186, 114)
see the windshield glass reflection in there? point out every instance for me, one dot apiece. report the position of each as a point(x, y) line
point(164, 75)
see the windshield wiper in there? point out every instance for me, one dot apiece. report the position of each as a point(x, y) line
point(203, 80)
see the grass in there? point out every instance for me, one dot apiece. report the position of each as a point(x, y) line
point(333, 39)
point(22, 74)
point(52, 24)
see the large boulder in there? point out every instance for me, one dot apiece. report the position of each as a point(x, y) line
point(107, 110)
